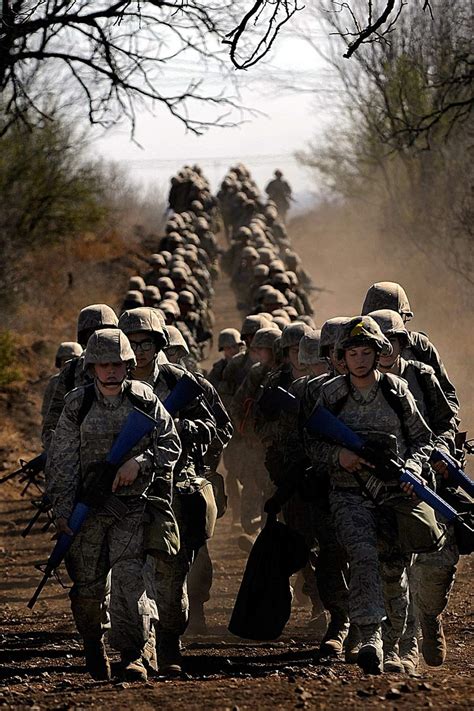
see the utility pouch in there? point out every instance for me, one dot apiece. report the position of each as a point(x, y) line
point(218, 485)
point(418, 529)
point(161, 536)
point(198, 509)
point(116, 506)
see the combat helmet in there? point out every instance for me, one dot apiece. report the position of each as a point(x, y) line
point(362, 331)
point(157, 260)
point(265, 338)
point(186, 297)
point(293, 333)
point(66, 351)
point(253, 323)
point(93, 317)
point(109, 345)
point(391, 324)
point(136, 282)
point(144, 319)
point(228, 337)
point(176, 339)
point(329, 334)
point(387, 295)
point(309, 348)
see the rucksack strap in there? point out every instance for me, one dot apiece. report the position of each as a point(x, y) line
point(86, 404)
point(71, 375)
point(90, 396)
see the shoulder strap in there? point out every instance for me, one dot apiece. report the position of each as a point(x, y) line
point(70, 379)
point(337, 406)
point(421, 381)
point(86, 404)
point(168, 375)
point(393, 401)
point(136, 401)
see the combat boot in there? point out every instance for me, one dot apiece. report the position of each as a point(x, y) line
point(433, 646)
point(132, 667)
point(392, 664)
point(97, 662)
point(245, 542)
point(352, 644)
point(168, 653)
point(318, 622)
point(197, 619)
point(333, 640)
point(370, 656)
point(409, 655)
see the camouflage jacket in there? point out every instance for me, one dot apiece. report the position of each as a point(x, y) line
point(70, 377)
point(243, 403)
point(372, 416)
point(233, 376)
point(48, 394)
point(431, 402)
point(197, 424)
point(217, 371)
point(421, 349)
point(267, 424)
point(76, 445)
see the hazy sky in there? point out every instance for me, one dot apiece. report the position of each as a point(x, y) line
point(263, 143)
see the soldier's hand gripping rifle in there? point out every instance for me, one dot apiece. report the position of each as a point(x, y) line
point(280, 399)
point(28, 472)
point(137, 425)
point(182, 394)
point(456, 476)
point(387, 466)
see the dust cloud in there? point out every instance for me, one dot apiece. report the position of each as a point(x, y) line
point(345, 252)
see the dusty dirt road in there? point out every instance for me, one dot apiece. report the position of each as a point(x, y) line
point(42, 665)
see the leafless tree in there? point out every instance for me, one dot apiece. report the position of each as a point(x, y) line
point(114, 57)
point(405, 130)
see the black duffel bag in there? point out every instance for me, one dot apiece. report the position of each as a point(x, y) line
point(263, 603)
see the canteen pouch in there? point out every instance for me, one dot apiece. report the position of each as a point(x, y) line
point(198, 510)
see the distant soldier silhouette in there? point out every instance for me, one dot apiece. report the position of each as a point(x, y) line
point(279, 191)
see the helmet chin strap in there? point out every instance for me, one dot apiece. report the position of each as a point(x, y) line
point(111, 383)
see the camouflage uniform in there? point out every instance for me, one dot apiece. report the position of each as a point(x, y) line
point(112, 536)
point(168, 576)
point(71, 376)
point(232, 377)
point(252, 475)
point(356, 517)
point(432, 574)
point(48, 394)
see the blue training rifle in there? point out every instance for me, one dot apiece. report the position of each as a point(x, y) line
point(137, 425)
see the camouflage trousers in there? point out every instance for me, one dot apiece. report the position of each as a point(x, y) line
point(331, 568)
point(256, 486)
point(356, 528)
point(232, 461)
point(171, 583)
point(431, 577)
point(107, 543)
point(200, 577)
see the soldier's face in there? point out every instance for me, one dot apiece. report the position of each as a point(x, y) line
point(318, 368)
point(230, 351)
point(263, 355)
point(110, 376)
point(293, 352)
point(144, 348)
point(360, 360)
point(389, 361)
